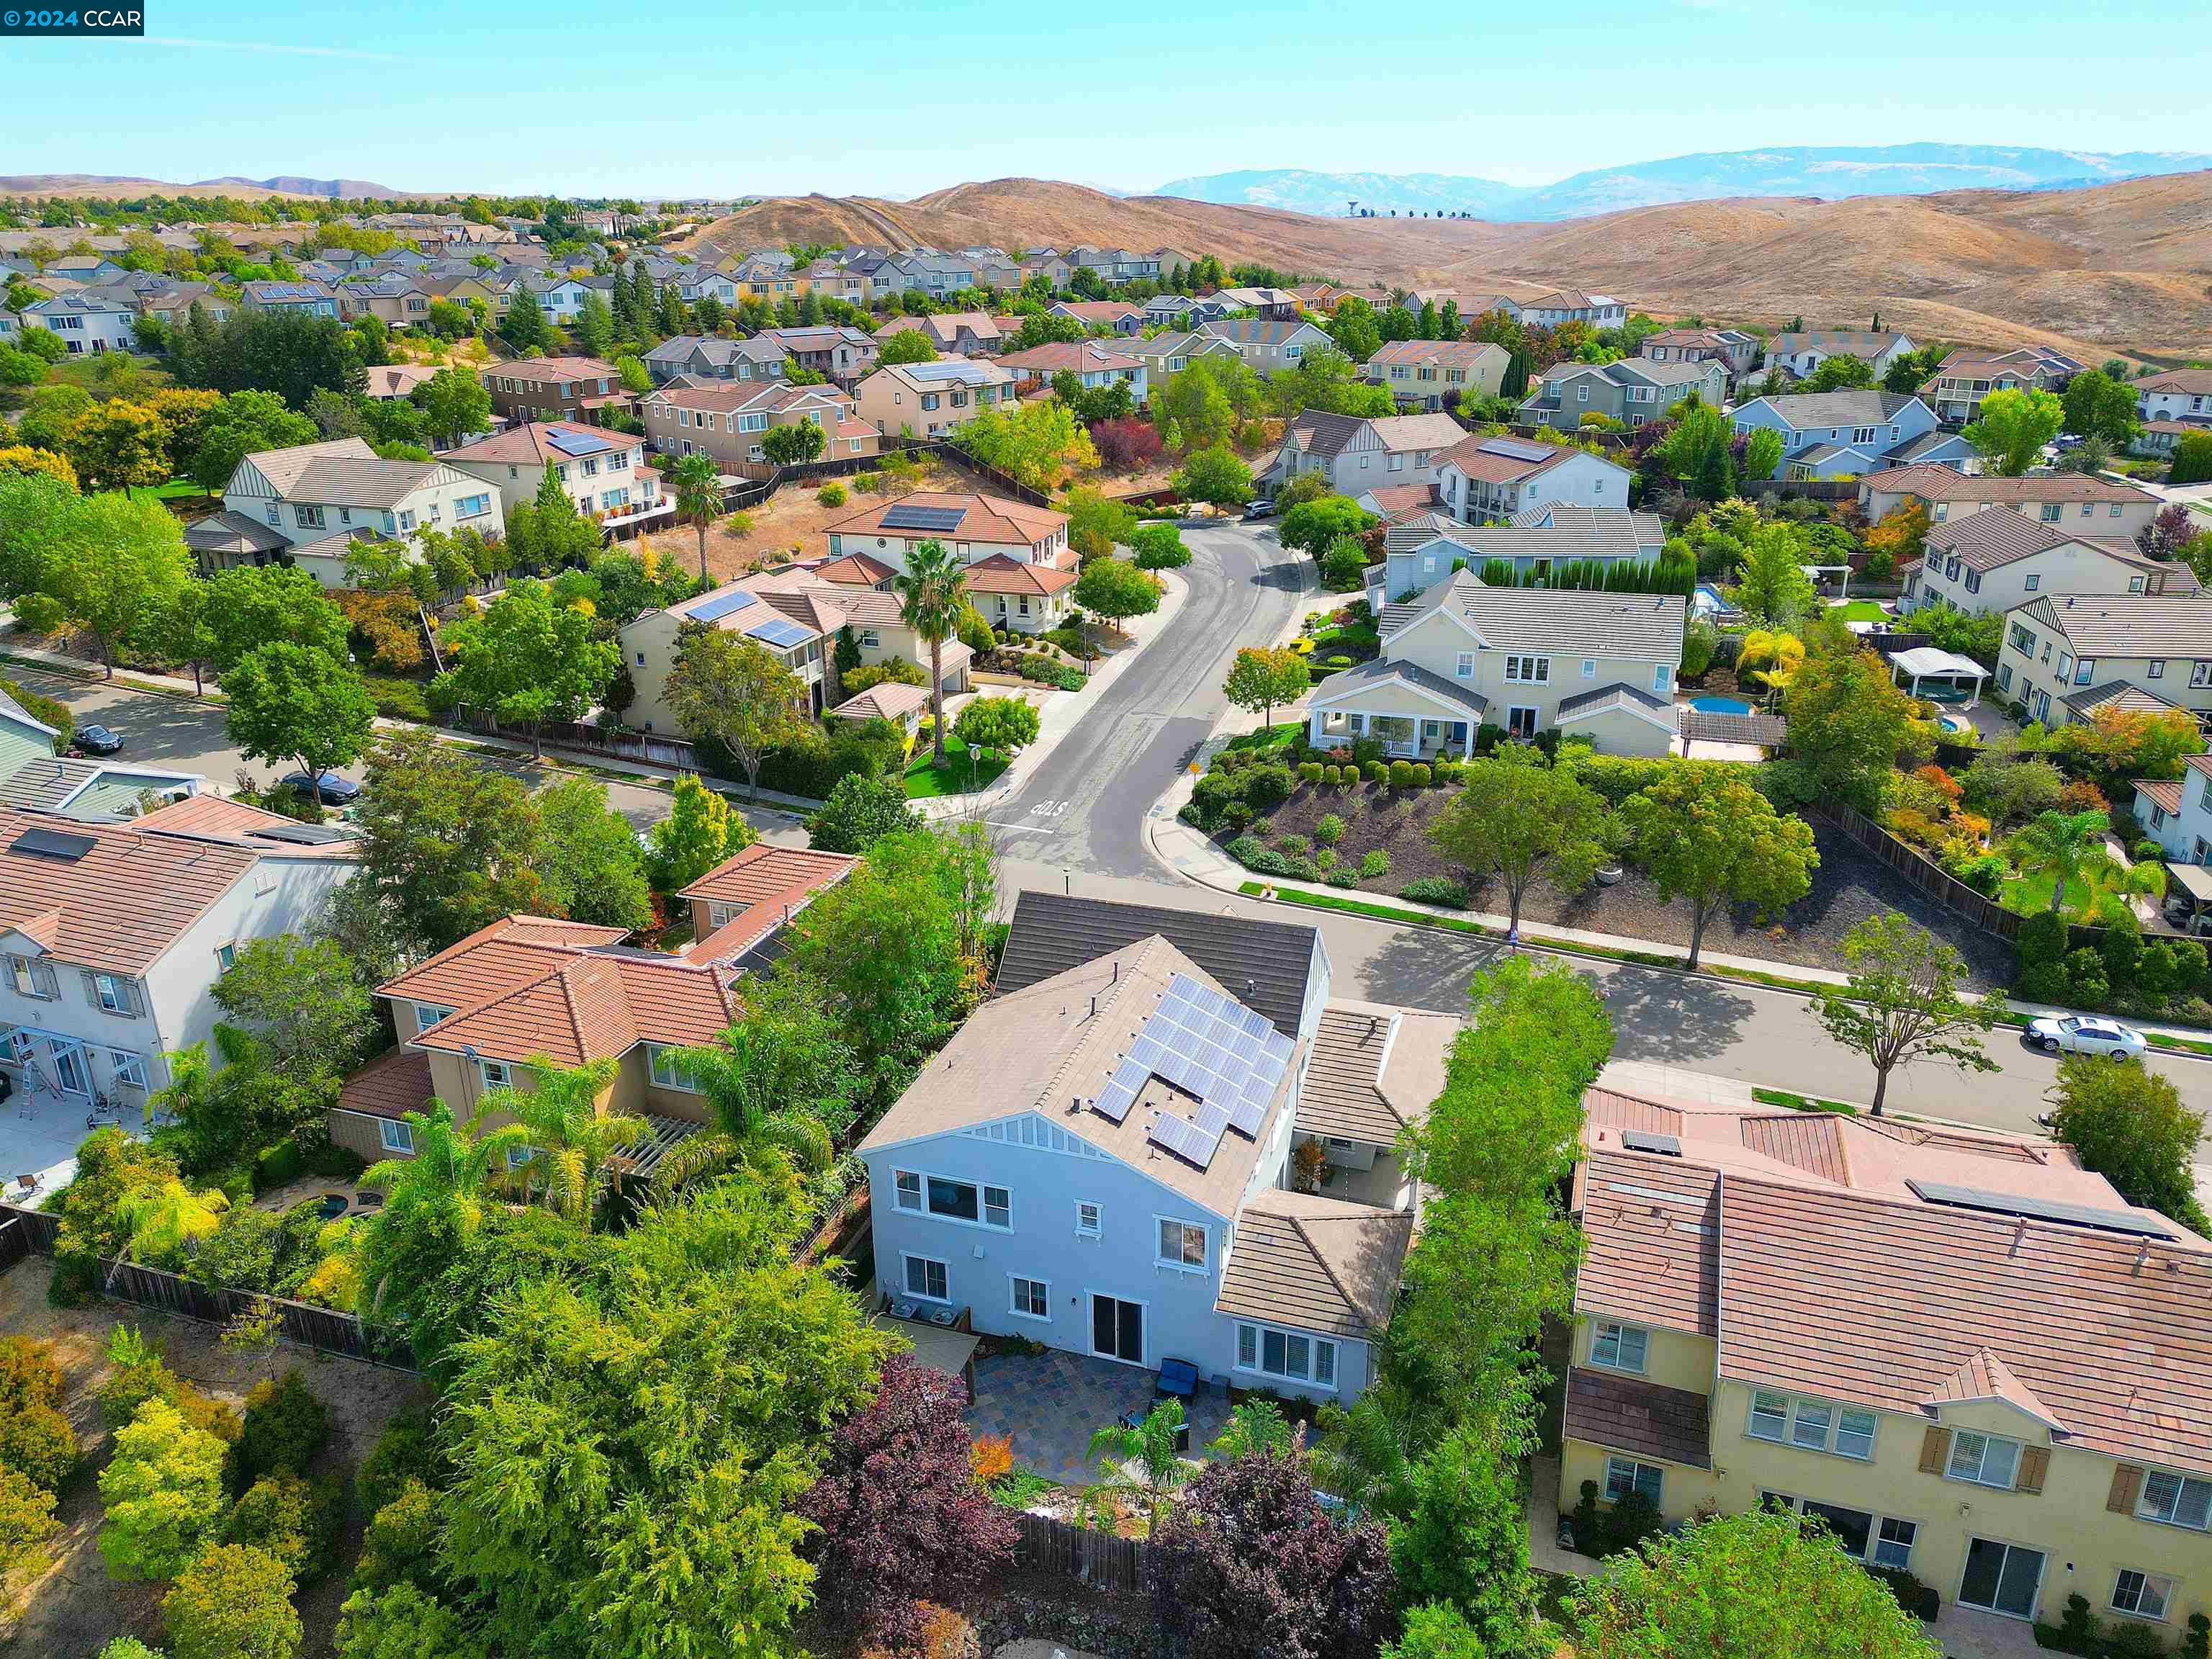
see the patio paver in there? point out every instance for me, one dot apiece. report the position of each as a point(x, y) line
point(1050, 1404)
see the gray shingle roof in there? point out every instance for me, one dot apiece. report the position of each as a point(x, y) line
point(1861, 405)
point(1615, 695)
point(231, 532)
point(1591, 624)
point(1319, 432)
point(1382, 672)
point(2121, 696)
point(2130, 624)
point(345, 473)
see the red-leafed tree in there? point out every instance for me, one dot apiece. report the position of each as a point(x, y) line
point(1125, 445)
point(901, 1515)
point(1249, 1564)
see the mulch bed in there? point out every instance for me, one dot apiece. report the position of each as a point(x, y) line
point(1849, 887)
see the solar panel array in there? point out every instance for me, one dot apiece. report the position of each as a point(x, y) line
point(53, 844)
point(2134, 1225)
point(720, 605)
point(1519, 449)
point(577, 443)
point(1211, 1046)
point(1643, 1140)
point(969, 373)
point(779, 631)
point(934, 519)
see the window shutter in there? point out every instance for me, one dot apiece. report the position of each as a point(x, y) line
point(1934, 1450)
point(2127, 1486)
point(91, 986)
point(2034, 1463)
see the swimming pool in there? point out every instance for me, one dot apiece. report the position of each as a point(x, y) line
point(1720, 705)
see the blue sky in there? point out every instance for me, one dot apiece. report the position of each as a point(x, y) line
point(697, 99)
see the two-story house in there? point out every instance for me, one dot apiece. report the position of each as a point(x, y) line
point(1181, 311)
point(977, 528)
point(1417, 557)
point(843, 355)
point(1965, 377)
point(2075, 502)
point(705, 357)
point(957, 333)
point(1101, 1159)
point(1629, 389)
point(394, 298)
point(1357, 453)
point(306, 299)
point(1269, 345)
point(1570, 305)
point(2066, 656)
point(731, 421)
point(1734, 349)
point(1797, 352)
point(1998, 559)
point(1114, 316)
point(112, 935)
point(603, 471)
point(321, 499)
point(929, 400)
point(1835, 435)
point(1496, 477)
point(1164, 354)
point(1459, 656)
point(2176, 813)
point(1096, 365)
point(555, 389)
point(1434, 374)
point(2179, 394)
point(86, 323)
point(1932, 1384)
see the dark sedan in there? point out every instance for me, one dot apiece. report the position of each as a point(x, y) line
point(97, 739)
point(331, 789)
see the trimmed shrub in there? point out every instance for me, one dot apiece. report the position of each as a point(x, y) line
point(285, 1427)
point(2147, 851)
point(1435, 889)
point(1915, 1597)
point(1308, 771)
point(1332, 775)
point(38, 1440)
point(1297, 847)
point(278, 1166)
point(1424, 776)
point(1376, 772)
point(1401, 775)
point(1344, 878)
point(1330, 829)
point(1449, 771)
point(1375, 865)
point(1325, 860)
point(830, 495)
point(28, 1375)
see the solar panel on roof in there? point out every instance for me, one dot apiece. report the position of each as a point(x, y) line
point(934, 519)
point(2134, 1223)
point(1643, 1140)
point(1209, 1046)
point(779, 631)
point(53, 844)
point(1184, 1138)
point(720, 605)
point(577, 443)
point(301, 835)
point(1519, 450)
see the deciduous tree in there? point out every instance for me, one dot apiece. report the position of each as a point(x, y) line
point(303, 1000)
point(255, 606)
point(2097, 405)
point(592, 864)
point(454, 403)
point(1116, 590)
point(2127, 1122)
point(114, 565)
point(287, 702)
point(1903, 1004)
point(699, 832)
point(233, 1602)
point(120, 444)
point(1216, 477)
point(1513, 817)
point(2014, 426)
point(1005, 724)
point(793, 443)
point(1850, 723)
point(447, 843)
point(527, 660)
point(906, 345)
point(1715, 840)
point(1262, 677)
point(162, 1492)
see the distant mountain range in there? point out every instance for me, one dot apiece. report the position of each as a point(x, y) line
point(126, 185)
point(1797, 170)
point(291, 185)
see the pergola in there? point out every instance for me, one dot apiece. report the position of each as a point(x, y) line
point(1842, 573)
point(1926, 662)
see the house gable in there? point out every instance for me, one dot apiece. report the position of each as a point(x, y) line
point(1034, 1132)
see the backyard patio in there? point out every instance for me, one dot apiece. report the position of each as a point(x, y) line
point(1050, 1403)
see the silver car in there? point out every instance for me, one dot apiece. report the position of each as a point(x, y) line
point(2084, 1034)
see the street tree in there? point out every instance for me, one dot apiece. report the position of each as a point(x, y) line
point(699, 832)
point(860, 810)
point(2127, 1122)
point(591, 863)
point(735, 692)
point(1903, 1004)
point(448, 844)
point(1005, 724)
point(114, 567)
point(932, 594)
point(1215, 476)
point(1260, 676)
point(1515, 816)
point(1311, 527)
point(2014, 426)
point(253, 605)
point(697, 481)
point(289, 703)
point(1715, 841)
point(1116, 590)
point(527, 660)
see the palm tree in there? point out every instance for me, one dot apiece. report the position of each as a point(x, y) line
point(1255, 1427)
point(1144, 1459)
point(2060, 844)
point(698, 484)
point(449, 1169)
point(558, 1124)
point(930, 601)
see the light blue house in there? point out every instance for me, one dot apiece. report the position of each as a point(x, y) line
point(1102, 1159)
point(1838, 434)
point(308, 299)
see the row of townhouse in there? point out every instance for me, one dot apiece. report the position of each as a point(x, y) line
point(555, 389)
point(2098, 507)
point(1999, 558)
point(1967, 1356)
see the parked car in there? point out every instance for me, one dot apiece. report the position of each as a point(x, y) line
point(1262, 508)
point(2081, 1034)
point(331, 789)
point(97, 739)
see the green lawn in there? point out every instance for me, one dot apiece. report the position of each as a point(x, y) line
point(177, 489)
point(1268, 739)
point(2030, 895)
point(91, 373)
point(1865, 610)
point(958, 776)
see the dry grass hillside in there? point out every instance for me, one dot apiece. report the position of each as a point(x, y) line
point(2125, 267)
point(72, 184)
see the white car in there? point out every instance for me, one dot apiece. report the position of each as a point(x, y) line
point(2080, 1033)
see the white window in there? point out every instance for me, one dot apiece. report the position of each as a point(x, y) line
point(2176, 1499)
point(1770, 1416)
point(126, 1068)
point(114, 993)
point(1988, 1460)
point(1855, 1431)
point(1182, 1245)
point(1893, 1544)
point(1291, 1354)
point(909, 1190)
point(1619, 1348)
point(2144, 1595)
point(1624, 1475)
point(396, 1137)
point(1528, 671)
point(1662, 677)
point(930, 1280)
point(668, 1073)
point(428, 1014)
point(1465, 668)
point(495, 1073)
point(1088, 1219)
point(1810, 1422)
point(964, 1200)
point(1032, 1298)
point(226, 955)
point(1589, 668)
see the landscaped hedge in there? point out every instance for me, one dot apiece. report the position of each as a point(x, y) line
point(1435, 889)
point(811, 767)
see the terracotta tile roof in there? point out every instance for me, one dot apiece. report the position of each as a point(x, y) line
point(1653, 1250)
point(1940, 484)
point(394, 1084)
point(1479, 458)
point(2195, 382)
point(889, 699)
point(1811, 1141)
point(533, 444)
point(1629, 1415)
point(1314, 1264)
point(1001, 574)
point(1986, 1376)
point(1079, 356)
point(1098, 311)
point(984, 518)
point(555, 369)
point(1390, 500)
point(2160, 792)
point(1375, 1070)
point(769, 885)
point(855, 570)
point(1449, 353)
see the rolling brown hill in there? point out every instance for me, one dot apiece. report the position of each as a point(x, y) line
point(2116, 268)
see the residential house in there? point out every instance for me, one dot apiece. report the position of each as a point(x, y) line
point(1628, 390)
point(1101, 1159)
point(978, 528)
point(23, 736)
point(114, 934)
point(841, 353)
point(1930, 1383)
point(393, 298)
point(2152, 437)
point(97, 791)
point(1734, 349)
point(1461, 656)
point(321, 498)
point(706, 357)
point(89, 269)
point(1965, 376)
point(1181, 311)
point(1840, 435)
point(1417, 556)
point(694, 284)
point(2072, 500)
point(959, 333)
point(1272, 305)
point(1269, 345)
point(2066, 655)
point(1796, 353)
point(388, 381)
point(603, 471)
point(929, 400)
point(731, 421)
point(740, 907)
point(2179, 394)
point(1358, 452)
point(555, 389)
point(1096, 365)
point(1434, 374)
point(2176, 813)
point(561, 296)
point(1164, 354)
point(1495, 478)
point(173, 305)
point(1997, 559)
point(85, 324)
point(305, 298)
point(1570, 305)
point(757, 277)
point(1116, 316)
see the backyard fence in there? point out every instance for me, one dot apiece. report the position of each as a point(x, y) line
point(1931, 879)
point(14, 1244)
point(324, 1329)
point(644, 747)
point(1099, 1559)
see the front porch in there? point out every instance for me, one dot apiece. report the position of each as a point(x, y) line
point(1415, 714)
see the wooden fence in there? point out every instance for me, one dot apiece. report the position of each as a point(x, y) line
point(14, 1243)
point(1931, 879)
point(643, 747)
point(1098, 1558)
point(323, 1330)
